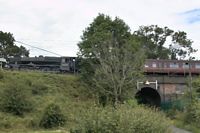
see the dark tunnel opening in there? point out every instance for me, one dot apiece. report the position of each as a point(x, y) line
point(148, 96)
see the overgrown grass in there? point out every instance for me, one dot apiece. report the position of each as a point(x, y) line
point(73, 101)
point(41, 89)
point(189, 127)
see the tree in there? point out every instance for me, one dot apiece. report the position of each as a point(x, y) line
point(118, 69)
point(109, 61)
point(8, 48)
point(155, 39)
point(100, 30)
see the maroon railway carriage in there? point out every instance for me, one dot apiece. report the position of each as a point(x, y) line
point(153, 66)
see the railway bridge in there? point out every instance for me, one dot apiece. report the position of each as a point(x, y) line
point(166, 80)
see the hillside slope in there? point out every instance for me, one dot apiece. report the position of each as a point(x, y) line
point(43, 89)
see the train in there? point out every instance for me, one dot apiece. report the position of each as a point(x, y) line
point(178, 67)
point(43, 63)
point(70, 64)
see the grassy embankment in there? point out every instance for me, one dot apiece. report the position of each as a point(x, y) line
point(43, 89)
point(32, 92)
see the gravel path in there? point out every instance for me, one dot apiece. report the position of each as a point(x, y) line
point(178, 130)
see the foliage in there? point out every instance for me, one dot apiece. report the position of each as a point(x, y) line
point(52, 117)
point(112, 59)
point(8, 48)
point(132, 103)
point(192, 114)
point(122, 120)
point(15, 99)
point(64, 89)
point(154, 38)
point(99, 31)
point(117, 70)
point(192, 111)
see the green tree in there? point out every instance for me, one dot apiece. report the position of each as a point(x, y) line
point(8, 48)
point(117, 70)
point(154, 38)
point(111, 57)
point(100, 30)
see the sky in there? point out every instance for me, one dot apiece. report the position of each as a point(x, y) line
point(57, 25)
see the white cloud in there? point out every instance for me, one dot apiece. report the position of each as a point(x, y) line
point(57, 25)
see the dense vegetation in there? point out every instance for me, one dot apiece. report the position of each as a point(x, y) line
point(188, 117)
point(40, 101)
point(124, 119)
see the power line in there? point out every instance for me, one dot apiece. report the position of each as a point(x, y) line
point(53, 41)
point(38, 48)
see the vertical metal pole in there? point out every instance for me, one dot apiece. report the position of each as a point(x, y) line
point(156, 85)
point(190, 76)
point(74, 66)
point(163, 83)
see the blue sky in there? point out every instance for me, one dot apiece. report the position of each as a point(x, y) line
point(57, 25)
point(192, 16)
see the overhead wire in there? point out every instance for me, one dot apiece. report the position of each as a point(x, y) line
point(37, 48)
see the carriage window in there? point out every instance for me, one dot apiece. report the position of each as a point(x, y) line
point(165, 65)
point(146, 65)
point(154, 64)
point(160, 65)
point(186, 65)
point(197, 65)
point(173, 65)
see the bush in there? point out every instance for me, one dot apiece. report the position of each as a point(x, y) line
point(192, 114)
point(15, 99)
point(132, 102)
point(52, 117)
point(122, 120)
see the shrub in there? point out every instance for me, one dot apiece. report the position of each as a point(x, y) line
point(15, 99)
point(132, 102)
point(52, 117)
point(122, 120)
point(192, 114)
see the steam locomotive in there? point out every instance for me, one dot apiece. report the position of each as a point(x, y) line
point(41, 63)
